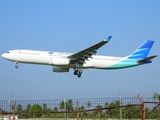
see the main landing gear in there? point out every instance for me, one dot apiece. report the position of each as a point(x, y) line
point(16, 66)
point(77, 72)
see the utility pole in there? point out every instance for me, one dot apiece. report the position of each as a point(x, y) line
point(14, 110)
point(9, 107)
point(65, 107)
point(120, 100)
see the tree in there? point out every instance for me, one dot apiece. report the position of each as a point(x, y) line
point(36, 109)
point(57, 115)
point(99, 111)
point(156, 96)
point(28, 108)
point(44, 107)
point(114, 113)
point(55, 109)
point(106, 106)
point(69, 105)
point(19, 108)
point(88, 104)
point(132, 112)
point(61, 105)
point(82, 113)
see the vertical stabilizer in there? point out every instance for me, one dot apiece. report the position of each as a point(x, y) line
point(143, 50)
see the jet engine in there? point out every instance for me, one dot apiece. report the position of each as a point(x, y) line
point(60, 69)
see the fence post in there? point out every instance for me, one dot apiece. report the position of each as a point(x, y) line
point(77, 110)
point(120, 101)
point(143, 108)
point(143, 111)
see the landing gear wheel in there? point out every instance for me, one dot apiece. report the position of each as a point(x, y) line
point(80, 71)
point(79, 75)
point(76, 69)
point(16, 66)
point(75, 73)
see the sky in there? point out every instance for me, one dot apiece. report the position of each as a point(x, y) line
point(71, 26)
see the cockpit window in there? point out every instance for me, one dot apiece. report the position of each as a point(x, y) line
point(7, 52)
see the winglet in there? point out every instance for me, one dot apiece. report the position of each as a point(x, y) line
point(108, 38)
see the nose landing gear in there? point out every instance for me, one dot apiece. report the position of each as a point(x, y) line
point(77, 72)
point(16, 66)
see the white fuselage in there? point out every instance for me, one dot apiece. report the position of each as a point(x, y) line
point(59, 59)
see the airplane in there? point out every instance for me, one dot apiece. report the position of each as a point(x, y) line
point(85, 59)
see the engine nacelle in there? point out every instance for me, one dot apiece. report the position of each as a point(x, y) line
point(60, 61)
point(60, 69)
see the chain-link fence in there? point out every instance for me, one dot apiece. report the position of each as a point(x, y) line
point(86, 108)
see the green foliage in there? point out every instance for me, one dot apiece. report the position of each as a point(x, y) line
point(44, 107)
point(129, 112)
point(28, 108)
point(36, 109)
point(69, 105)
point(88, 104)
point(98, 111)
point(114, 113)
point(19, 108)
point(55, 109)
point(156, 96)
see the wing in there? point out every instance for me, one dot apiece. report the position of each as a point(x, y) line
point(88, 52)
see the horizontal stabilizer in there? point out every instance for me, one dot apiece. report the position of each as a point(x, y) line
point(147, 59)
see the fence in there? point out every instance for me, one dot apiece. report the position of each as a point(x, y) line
point(84, 108)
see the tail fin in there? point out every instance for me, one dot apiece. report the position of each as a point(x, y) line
point(143, 51)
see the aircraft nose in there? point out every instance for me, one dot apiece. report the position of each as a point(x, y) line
point(3, 55)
